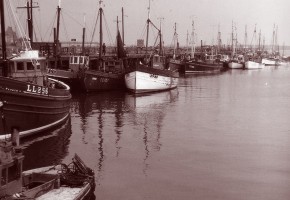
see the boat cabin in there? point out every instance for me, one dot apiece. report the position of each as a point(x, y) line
point(28, 67)
point(77, 63)
point(158, 62)
point(107, 64)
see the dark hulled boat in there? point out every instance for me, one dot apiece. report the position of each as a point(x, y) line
point(203, 64)
point(105, 73)
point(29, 99)
point(72, 75)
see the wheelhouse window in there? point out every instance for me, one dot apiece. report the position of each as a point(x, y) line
point(29, 66)
point(76, 60)
point(81, 60)
point(20, 66)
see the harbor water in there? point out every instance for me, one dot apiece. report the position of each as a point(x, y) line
point(224, 136)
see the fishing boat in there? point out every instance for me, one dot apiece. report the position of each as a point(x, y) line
point(177, 61)
point(270, 61)
point(236, 62)
point(105, 73)
point(29, 99)
point(72, 73)
point(74, 181)
point(203, 63)
point(152, 74)
point(254, 64)
point(254, 59)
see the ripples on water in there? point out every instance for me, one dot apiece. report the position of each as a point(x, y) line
point(224, 136)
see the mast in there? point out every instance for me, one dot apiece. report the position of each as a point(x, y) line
point(147, 35)
point(219, 39)
point(187, 42)
point(254, 39)
point(29, 7)
point(160, 39)
point(57, 34)
point(4, 52)
point(260, 40)
point(233, 47)
point(101, 30)
point(122, 26)
point(175, 38)
point(276, 39)
point(192, 41)
point(246, 37)
point(273, 40)
point(28, 21)
point(84, 33)
point(31, 23)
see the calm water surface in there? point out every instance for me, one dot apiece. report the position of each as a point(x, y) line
point(225, 136)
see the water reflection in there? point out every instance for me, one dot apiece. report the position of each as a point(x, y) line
point(147, 113)
point(99, 115)
point(48, 148)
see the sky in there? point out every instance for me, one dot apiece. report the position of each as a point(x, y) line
point(209, 16)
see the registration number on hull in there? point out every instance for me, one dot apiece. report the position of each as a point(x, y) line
point(153, 76)
point(37, 89)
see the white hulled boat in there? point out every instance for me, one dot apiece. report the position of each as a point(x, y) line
point(153, 74)
point(67, 182)
point(254, 65)
point(150, 78)
point(237, 62)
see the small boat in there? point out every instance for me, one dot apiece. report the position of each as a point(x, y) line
point(270, 61)
point(105, 73)
point(72, 182)
point(177, 61)
point(73, 74)
point(250, 64)
point(151, 77)
point(237, 62)
point(253, 59)
point(203, 63)
point(153, 74)
point(29, 99)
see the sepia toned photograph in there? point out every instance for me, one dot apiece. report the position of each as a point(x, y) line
point(145, 100)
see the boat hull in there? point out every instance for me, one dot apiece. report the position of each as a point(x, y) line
point(143, 79)
point(202, 67)
point(270, 62)
point(94, 81)
point(176, 65)
point(71, 78)
point(79, 187)
point(254, 65)
point(31, 108)
point(235, 65)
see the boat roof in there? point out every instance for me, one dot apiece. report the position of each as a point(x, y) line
point(27, 55)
